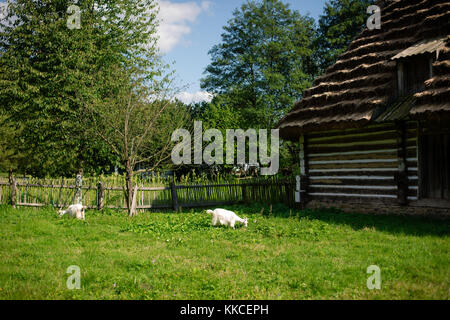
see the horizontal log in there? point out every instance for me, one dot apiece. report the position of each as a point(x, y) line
point(344, 196)
point(317, 150)
point(361, 153)
point(372, 172)
point(352, 190)
point(411, 163)
point(353, 161)
point(355, 199)
point(411, 153)
point(354, 182)
point(353, 176)
point(358, 171)
point(358, 190)
point(410, 125)
point(392, 154)
point(361, 136)
point(345, 166)
point(352, 143)
point(433, 203)
point(356, 137)
point(413, 183)
point(368, 129)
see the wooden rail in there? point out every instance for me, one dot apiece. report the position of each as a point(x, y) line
point(173, 196)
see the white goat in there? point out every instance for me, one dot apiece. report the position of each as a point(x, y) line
point(226, 218)
point(76, 210)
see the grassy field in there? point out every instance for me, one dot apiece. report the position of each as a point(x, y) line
point(309, 255)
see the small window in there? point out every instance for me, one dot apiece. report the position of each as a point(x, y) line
point(412, 74)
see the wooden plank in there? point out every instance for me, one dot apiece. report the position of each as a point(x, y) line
point(365, 191)
point(354, 182)
point(354, 166)
point(354, 144)
point(354, 171)
point(358, 138)
point(368, 129)
point(356, 161)
point(210, 204)
point(322, 150)
point(330, 195)
point(432, 203)
point(358, 147)
point(379, 154)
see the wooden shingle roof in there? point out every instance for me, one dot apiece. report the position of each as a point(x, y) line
point(363, 80)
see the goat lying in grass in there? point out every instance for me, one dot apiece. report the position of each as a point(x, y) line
point(226, 218)
point(74, 211)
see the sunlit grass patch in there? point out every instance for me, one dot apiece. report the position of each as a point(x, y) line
point(287, 255)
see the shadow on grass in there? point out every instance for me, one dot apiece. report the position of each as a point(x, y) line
point(396, 224)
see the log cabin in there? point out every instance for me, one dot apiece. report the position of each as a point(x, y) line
point(374, 129)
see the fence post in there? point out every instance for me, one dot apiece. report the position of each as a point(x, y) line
point(79, 187)
point(60, 204)
point(304, 190)
point(100, 195)
point(244, 192)
point(13, 192)
point(289, 193)
point(174, 194)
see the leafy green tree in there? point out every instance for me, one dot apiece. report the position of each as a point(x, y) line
point(341, 22)
point(263, 63)
point(50, 72)
point(9, 155)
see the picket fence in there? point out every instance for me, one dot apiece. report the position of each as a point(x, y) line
point(59, 193)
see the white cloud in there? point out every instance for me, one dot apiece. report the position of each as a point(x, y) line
point(3, 9)
point(199, 96)
point(175, 19)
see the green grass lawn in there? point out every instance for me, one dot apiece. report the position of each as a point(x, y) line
point(311, 255)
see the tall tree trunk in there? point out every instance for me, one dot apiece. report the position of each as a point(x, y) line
point(129, 187)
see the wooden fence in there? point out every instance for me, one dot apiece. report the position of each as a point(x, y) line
point(58, 193)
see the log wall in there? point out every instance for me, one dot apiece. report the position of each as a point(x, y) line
point(361, 165)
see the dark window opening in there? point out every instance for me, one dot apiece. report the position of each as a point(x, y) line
point(412, 74)
point(435, 166)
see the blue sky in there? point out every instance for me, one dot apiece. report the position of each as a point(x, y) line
point(191, 28)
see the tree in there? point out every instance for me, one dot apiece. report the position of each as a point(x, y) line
point(79, 91)
point(49, 71)
point(137, 121)
point(9, 156)
point(264, 61)
point(341, 22)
